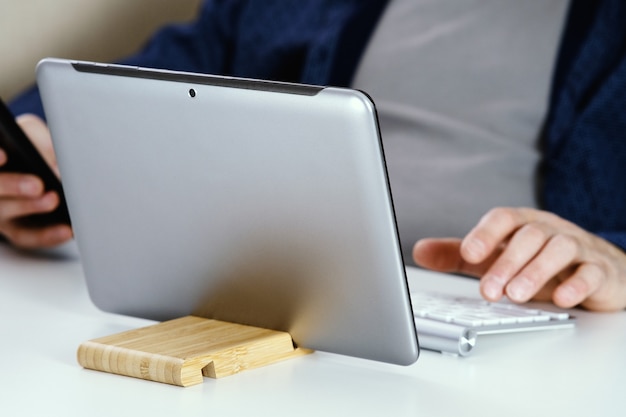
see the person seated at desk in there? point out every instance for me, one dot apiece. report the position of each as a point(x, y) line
point(509, 108)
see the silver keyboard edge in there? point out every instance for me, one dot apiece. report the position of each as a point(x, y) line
point(460, 340)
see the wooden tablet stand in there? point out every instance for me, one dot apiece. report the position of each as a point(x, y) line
point(182, 351)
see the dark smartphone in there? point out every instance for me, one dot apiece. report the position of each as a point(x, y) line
point(23, 157)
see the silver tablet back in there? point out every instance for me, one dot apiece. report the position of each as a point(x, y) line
point(246, 201)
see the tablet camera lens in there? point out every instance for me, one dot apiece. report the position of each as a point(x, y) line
point(192, 93)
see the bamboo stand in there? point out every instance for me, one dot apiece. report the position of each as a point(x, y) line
point(182, 351)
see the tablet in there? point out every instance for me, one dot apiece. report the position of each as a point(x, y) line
point(24, 158)
point(242, 200)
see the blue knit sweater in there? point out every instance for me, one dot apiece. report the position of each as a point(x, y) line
point(321, 42)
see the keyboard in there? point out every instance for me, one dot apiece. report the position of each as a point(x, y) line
point(451, 324)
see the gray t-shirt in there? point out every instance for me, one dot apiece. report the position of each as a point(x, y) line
point(461, 88)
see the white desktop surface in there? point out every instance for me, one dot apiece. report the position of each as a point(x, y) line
point(46, 314)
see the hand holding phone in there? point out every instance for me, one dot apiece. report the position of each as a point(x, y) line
point(23, 157)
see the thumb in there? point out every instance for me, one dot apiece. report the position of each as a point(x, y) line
point(444, 255)
point(441, 254)
point(39, 134)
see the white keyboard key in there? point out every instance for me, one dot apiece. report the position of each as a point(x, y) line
point(438, 316)
point(557, 316)
point(468, 321)
point(541, 317)
point(526, 319)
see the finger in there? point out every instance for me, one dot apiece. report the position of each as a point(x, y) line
point(3, 157)
point(39, 134)
point(438, 254)
point(578, 287)
point(20, 185)
point(590, 287)
point(13, 209)
point(559, 253)
point(39, 238)
point(492, 230)
point(443, 255)
point(522, 247)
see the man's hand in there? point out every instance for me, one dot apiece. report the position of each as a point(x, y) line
point(23, 194)
point(531, 254)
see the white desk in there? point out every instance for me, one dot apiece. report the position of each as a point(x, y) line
point(46, 314)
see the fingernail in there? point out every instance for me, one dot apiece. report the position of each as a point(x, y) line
point(519, 290)
point(28, 187)
point(61, 233)
point(48, 201)
point(567, 294)
point(491, 289)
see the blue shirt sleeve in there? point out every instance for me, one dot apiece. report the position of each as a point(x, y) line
point(584, 166)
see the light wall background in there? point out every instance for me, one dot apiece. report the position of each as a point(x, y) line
point(99, 30)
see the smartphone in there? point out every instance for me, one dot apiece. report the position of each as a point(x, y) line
point(23, 157)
